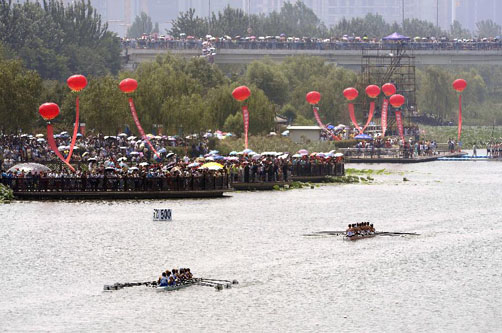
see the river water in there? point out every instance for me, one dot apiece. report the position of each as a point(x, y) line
point(56, 256)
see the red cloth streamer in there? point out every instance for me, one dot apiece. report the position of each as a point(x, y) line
point(353, 117)
point(383, 122)
point(54, 147)
point(138, 125)
point(321, 125)
point(399, 123)
point(459, 116)
point(75, 130)
point(245, 118)
point(316, 115)
point(370, 115)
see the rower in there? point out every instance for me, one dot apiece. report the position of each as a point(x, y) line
point(372, 229)
point(350, 230)
point(163, 280)
point(189, 274)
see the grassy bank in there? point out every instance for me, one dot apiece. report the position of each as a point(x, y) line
point(479, 135)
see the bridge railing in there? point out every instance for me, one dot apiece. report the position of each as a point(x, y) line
point(315, 45)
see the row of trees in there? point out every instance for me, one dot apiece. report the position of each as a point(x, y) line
point(190, 96)
point(299, 20)
point(57, 40)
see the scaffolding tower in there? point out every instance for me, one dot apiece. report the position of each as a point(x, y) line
point(396, 65)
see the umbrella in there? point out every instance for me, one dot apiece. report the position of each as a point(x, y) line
point(39, 136)
point(218, 157)
point(123, 165)
point(193, 165)
point(133, 169)
point(79, 135)
point(330, 127)
point(212, 166)
point(41, 140)
point(110, 168)
point(296, 155)
point(214, 152)
point(303, 152)
point(285, 133)
point(170, 155)
point(63, 148)
point(122, 159)
point(233, 153)
point(247, 151)
point(338, 155)
point(122, 147)
point(131, 138)
point(162, 150)
point(232, 158)
point(92, 159)
point(122, 134)
point(143, 164)
point(363, 137)
point(27, 167)
point(134, 153)
point(256, 157)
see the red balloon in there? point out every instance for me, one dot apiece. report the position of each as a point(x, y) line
point(77, 82)
point(372, 91)
point(49, 111)
point(241, 93)
point(313, 97)
point(128, 85)
point(459, 85)
point(397, 100)
point(389, 89)
point(350, 93)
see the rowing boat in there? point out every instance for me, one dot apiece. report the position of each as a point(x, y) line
point(356, 237)
point(182, 285)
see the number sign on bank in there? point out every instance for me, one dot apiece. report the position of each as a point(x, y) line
point(162, 215)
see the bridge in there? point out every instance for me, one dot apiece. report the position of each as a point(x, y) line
point(346, 58)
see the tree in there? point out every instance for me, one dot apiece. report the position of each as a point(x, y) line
point(58, 41)
point(19, 96)
point(457, 31)
point(142, 25)
point(267, 77)
point(488, 28)
point(435, 95)
point(189, 24)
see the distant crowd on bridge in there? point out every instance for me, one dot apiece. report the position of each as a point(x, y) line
point(283, 42)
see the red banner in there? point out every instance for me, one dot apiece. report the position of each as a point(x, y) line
point(245, 118)
point(370, 115)
point(353, 117)
point(316, 115)
point(54, 147)
point(459, 116)
point(399, 123)
point(138, 125)
point(75, 131)
point(385, 106)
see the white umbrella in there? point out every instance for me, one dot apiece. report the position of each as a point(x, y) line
point(122, 159)
point(39, 135)
point(338, 155)
point(122, 135)
point(131, 138)
point(143, 164)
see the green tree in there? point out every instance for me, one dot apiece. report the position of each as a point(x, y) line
point(189, 24)
point(488, 28)
point(268, 77)
point(19, 96)
point(457, 31)
point(142, 25)
point(435, 95)
point(104, 107)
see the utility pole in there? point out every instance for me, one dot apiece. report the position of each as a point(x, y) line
point(209, 20)
point(437, 14)
point(402, 7)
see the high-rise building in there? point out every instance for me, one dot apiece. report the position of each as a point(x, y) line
point(469, 12)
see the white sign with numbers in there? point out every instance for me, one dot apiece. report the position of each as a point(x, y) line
point(162, 215)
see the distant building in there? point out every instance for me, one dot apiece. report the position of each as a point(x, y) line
point(301, 134)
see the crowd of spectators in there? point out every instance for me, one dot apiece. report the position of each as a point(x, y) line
point(284, 42)
point(122, 163)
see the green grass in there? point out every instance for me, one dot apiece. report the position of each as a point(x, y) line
point(6, 194)
point(479, 135)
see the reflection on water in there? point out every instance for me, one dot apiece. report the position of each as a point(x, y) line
point(56, 257)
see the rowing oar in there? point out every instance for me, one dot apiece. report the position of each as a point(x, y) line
point(388, 233)
point(215, 280)
point(118, 286)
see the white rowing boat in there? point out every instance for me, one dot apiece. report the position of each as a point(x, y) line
point(182, 285)
point(356, 237)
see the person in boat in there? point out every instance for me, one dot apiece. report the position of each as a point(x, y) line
point(163, 282)
point(189, 274)
point(372, 229)
point(350, 231)
point(171, 281)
